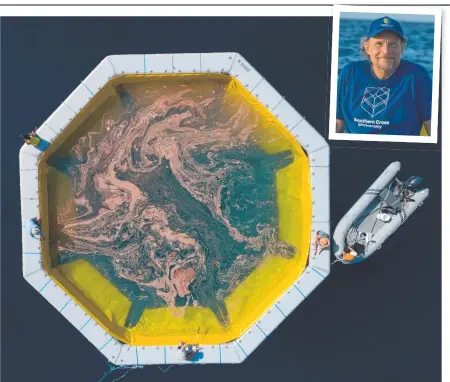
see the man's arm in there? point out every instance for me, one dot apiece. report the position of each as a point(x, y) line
point(427, 125)
point(340, 126)
point(341, 96)
point(423, 90)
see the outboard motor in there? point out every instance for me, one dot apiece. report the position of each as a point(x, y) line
point(414, 182)
point(410, 187)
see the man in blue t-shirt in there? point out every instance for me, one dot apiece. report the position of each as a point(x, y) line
point(384, 94)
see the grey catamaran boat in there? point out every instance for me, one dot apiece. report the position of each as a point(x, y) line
point(380, 211)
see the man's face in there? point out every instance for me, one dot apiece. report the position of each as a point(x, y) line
point(385, 51)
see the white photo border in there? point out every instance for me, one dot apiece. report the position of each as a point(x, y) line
point(402, 10)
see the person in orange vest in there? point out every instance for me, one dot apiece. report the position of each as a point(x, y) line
point(321, 242)
point(350, 254)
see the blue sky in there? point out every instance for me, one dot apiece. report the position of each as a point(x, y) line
point(395, 16)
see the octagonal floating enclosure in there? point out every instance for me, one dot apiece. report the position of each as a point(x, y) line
point(179, 199)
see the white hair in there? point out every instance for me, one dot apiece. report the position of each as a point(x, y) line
point(363, 41)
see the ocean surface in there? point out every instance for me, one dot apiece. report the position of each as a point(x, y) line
point(376, 321)
point(419, 47)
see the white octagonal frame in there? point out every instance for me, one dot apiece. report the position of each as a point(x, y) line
point(312, 142)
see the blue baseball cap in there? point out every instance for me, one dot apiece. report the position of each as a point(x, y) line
point(385, 24)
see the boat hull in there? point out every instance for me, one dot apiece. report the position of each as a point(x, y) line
point(362, 216)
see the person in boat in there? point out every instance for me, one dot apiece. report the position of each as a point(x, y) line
point(383, 93)
point(126, 99)
point(351, 253)
point(35, 140)
point(321, 242)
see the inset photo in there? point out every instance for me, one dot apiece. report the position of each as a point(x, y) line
point(385, 74)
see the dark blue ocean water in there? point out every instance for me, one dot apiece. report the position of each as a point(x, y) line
point(376, 321)
point(419, 48)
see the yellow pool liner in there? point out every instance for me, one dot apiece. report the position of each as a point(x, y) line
point(167, 326)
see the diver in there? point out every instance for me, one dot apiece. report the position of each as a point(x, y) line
point(35, 140)
point(126, 99)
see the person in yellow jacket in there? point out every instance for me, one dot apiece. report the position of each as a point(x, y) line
point(34, 140)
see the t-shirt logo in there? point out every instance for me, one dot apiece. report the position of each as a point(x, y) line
point(375, 100)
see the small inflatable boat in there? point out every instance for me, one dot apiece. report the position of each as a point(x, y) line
point(379, 212)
